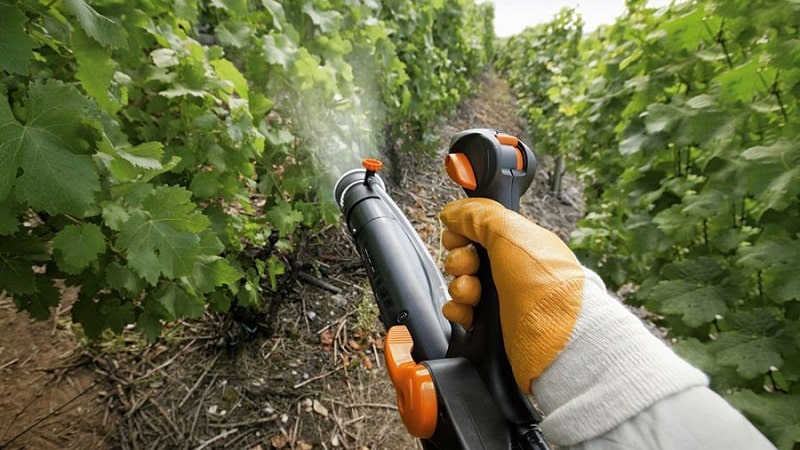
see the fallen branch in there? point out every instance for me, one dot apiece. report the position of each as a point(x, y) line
point(199, 380)
point(305, 276)
point(313, 379)
point(222, 435)
point(245, 423)
point(10, 363)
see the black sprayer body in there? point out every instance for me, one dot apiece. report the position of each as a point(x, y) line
point(408, 287)
point(478, 405)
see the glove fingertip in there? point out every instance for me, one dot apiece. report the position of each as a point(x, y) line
point(451, 240)
point(462, 261)
point(460, 314)
point(465, 290)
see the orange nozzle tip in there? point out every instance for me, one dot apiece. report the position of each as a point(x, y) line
point(372, 164)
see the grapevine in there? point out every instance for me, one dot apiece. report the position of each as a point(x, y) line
point(687, 129)
point(164, 156)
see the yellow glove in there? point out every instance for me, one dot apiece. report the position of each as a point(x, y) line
point(591, 363)
point(539, 281)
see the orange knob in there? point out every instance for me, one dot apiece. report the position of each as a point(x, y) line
point(372, 164)
point(416, 393)
point(460, 170)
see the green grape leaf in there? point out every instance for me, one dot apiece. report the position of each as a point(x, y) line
point(77, 246)
point(213, 271)
point(274, 268)
point(279, 49)
point(326, 21)
point(696, 303)
point(752, 356)
point(686, 31)
point(709, 202)
point(178, 302)
point(15, 45)
point(10, 210)
point(742, 83)
point(782, 283)
point(710, 128)
point(775, 187)
point(776, 178)
point(173, 205)
point(38, 305)
point(234, 34)
point(757, 321)
point(205, 184)
point(276, 11)
point(219, 301)
point(54, 178)
point(123, 279)
point(114, 215)
point(95, 69)
point(701, 101)
point(777, 257)
point(662, 118)
point(145, 156)
point(284, 217)
point(149, 324)
point(772, 247)
point(700, 270)
point(237, 7)
point(102, 29)
point(98, 314)
point(781, 152)
point(697, 353)
point(160, 238)
point(777, 413)
point(164, 57)
point(676, 224)
point(17, 256)
point(227, 71)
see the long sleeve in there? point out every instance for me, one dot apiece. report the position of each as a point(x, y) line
point(616, 386)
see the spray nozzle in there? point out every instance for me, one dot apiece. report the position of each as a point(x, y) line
point(372, 166)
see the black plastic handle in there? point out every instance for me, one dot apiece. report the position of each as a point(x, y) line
point(503, 166)
point(503, 169)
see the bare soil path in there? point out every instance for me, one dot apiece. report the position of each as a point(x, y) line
point(317, 382)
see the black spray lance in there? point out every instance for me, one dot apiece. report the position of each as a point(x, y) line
point(455, 389)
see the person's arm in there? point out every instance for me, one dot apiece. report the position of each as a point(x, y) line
point(601, 378)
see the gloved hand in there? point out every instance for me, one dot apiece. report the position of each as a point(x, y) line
point(539, 281)
point(590, 362)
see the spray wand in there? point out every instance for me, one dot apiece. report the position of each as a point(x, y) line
point(455, 388)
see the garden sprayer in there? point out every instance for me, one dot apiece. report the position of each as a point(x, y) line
point(455, 388)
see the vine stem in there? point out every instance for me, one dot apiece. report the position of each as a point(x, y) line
point(705, 233)
point(760, 285)
point(776, 91)
point(719, 37)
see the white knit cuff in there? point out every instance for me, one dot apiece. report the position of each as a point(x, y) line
point(611, 369)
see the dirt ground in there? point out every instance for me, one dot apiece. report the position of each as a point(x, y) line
point(50, 395)
point(317, 382)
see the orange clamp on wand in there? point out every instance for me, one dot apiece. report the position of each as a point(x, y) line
point(416, 394)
